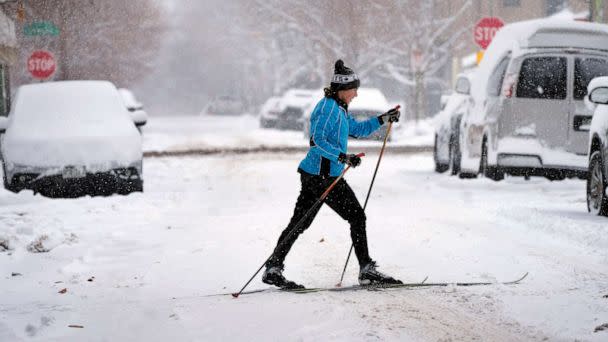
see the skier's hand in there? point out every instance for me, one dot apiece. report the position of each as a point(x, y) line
point(349, 159)
point(390, 116)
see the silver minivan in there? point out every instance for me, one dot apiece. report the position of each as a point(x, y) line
point(535, 122)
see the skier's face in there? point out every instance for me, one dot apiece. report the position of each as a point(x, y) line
point(347, 95)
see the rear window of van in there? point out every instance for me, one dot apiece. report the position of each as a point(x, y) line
point(543, 78)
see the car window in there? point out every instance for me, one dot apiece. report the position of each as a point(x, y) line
point(495, 80)
point(586, 69)
point(543, 78)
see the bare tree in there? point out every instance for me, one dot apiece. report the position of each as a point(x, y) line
point(402, 40)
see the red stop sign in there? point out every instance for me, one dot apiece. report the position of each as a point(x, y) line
point(484, 31)
point(41, 64)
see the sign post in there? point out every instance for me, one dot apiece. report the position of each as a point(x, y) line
point(41, 64)
point(485, 30)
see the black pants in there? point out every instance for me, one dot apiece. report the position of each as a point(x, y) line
point(341, 199)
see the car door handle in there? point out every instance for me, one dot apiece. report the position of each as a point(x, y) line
point(581, 122)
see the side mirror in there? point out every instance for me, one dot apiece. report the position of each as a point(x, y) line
point(3, 124)
point(139, 117)
point(599, 95)
point(463, 86)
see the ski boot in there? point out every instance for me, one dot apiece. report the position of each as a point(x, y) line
point(273, 275)
point(370, 276)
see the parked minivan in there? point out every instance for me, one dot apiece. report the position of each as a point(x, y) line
point(529, 116)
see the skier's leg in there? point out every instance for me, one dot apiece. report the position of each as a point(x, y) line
point(343, 201)
point(307, 198)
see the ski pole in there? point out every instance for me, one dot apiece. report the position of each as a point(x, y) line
point(388, 131)
point(295, 228)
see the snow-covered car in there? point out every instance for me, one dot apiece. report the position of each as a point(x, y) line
point(597, 197)
point(529, 116)
point(446, 150)
point(295, 103)
point(135, 108)
point(71, 138)
point(270, 112)
point(224, 105)
point(368, 102)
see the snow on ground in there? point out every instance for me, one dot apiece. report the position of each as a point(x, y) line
point(179, 133)
point(138, 267)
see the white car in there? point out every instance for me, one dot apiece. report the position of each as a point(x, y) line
point(270, 112)
point(446, 150)
point(71, 138)
point(369, 102)
point(295, 103)
point(597, 198)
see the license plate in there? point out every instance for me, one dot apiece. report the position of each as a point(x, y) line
point(74, 172)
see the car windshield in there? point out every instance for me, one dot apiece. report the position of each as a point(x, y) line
point(69, 106)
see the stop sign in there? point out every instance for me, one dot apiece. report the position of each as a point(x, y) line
point(485, 30)
point(41, 64)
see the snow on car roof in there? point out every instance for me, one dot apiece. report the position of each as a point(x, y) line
point(598, 82)
point(300, 97)
point(65, 105)
point(369, 98)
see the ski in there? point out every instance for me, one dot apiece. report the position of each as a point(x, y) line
point(377, 287)
point(373, 287)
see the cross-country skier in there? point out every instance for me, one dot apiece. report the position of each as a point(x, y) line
point(330, 126)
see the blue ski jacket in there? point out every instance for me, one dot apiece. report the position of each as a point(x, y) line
point(330, 127)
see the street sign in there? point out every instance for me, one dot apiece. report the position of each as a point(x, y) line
point(485, 30)
point(41, 64)
point(41, 28)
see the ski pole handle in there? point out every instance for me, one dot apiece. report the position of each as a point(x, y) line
point(337, 179)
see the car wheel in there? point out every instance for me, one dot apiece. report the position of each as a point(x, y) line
point(492, 172)
point(439, 167)
point(597, 203)
point(455, 156)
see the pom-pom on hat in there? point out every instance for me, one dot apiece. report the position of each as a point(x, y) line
point(344, 78)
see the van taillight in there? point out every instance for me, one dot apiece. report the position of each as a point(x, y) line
point(507, 86)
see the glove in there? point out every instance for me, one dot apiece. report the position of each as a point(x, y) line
point(349, 159)
point(390, 116)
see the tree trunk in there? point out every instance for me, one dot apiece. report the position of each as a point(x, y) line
point(418, 95)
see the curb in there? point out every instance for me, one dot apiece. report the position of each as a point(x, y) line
point(278, 149)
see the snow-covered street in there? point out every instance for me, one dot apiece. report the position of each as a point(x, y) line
point(138, 267)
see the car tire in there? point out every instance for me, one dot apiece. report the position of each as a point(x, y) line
point(455, 156)
point(597, 201)
point(492, 172)
point(439, 167)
